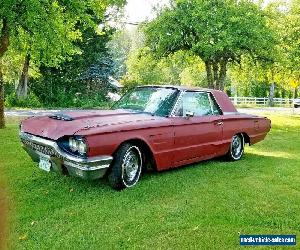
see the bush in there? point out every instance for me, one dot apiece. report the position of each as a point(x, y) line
point(32, 101)
point(95, 100)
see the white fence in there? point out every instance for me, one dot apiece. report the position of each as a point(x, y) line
point(261, 101)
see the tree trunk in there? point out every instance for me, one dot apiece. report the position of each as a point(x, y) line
point(216, 73)
point(209, 75)
point(271, 95)
point(4, 39)
point(23, 81)
point(4, 43)
point(222, 73)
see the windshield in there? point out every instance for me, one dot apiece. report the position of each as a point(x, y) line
point(154, 100)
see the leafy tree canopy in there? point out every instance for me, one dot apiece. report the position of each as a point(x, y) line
point(181, 67)
point(45, 30)
point(283, 70)
point(218, 31)
point(48, 28)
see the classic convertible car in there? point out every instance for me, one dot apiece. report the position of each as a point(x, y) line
point(160, 126)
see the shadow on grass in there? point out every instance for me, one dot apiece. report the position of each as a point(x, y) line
point(216, 169)
point(250, 164)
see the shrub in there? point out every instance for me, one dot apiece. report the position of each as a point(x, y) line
point(32, 101)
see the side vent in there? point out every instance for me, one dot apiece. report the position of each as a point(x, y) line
point(62, 117)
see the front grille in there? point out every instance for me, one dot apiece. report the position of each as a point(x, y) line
point(47, 150)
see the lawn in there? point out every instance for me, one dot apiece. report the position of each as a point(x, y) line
point(202, 206)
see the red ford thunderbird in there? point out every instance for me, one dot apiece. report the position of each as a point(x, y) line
point(160, 126)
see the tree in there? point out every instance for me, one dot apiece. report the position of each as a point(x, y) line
point(119, 47)
point(254, 78)
point(4, 43)
point(141, 68)
point(218, 31)
point(123, 44)
point(45, 30)
point(23, 80)
point(178, 68)
point(83, 80)
point(291, 43)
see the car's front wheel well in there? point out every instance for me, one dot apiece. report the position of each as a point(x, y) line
point(148, 157)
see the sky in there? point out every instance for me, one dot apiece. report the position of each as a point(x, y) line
point(140, 10)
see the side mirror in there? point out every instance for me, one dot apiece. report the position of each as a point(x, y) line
point(189, 114)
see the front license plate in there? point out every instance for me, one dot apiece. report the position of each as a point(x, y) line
point(45, 164)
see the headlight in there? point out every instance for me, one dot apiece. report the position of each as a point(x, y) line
point(78, 145)
point(73, 144)
point(82, 148)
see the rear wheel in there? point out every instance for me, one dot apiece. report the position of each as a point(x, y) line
point(236, 149)
point(126, 167)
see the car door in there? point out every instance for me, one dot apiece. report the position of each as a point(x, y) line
point(198, 127)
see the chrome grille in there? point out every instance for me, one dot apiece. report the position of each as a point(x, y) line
point(40, 148)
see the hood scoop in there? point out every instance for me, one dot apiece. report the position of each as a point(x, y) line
point(62, 117)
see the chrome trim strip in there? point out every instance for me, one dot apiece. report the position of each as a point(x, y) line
point(86, 168)
point(179, 98)
point(210, 102)
point(232, 113)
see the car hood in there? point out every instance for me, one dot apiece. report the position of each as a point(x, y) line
point(82, 122)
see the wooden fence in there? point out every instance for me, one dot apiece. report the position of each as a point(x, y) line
point(261, 101)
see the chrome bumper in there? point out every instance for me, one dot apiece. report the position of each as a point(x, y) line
point(90, 168)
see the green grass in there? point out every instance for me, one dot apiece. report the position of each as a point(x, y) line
point(201, 206)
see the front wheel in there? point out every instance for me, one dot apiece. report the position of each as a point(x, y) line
point(126, 167)
point(236, 149)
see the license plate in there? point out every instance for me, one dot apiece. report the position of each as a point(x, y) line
point(45, 164)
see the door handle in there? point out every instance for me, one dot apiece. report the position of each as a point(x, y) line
point(219, 123)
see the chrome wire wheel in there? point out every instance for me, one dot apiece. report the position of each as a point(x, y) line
point(237, 147)
point(131, 166)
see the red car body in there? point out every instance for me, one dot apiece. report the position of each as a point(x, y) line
point(171, 141)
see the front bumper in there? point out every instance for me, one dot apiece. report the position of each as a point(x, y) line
point(86, 168)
